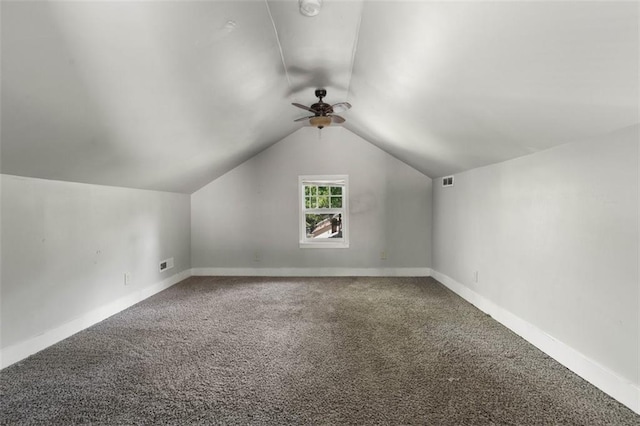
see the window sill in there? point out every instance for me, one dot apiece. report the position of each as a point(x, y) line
point(324, 245)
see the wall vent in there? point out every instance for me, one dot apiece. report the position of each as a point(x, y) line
point(447, 181)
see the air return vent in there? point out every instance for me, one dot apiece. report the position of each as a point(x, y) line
point(447, 181)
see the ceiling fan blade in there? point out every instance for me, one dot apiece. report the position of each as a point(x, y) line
point(304, 118)
point(337, 119)
point(341, 106)
point(306, 108)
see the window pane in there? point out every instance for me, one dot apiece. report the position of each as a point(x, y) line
point(323, 190)
point(336, 202)
point(310, 202)
point(307, 190)
point(313, 190)
point(324, 226)
point(336, 190)
point(323, 202)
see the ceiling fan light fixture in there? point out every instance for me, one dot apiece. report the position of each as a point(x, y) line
point(320, 121)
point(323, 113)
point(310, 7)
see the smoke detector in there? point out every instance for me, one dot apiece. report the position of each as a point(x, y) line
point(310, 7)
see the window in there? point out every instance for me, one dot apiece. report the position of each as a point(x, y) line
point(447, 181)
point(324, 213)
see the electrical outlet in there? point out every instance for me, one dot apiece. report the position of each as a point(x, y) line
point(383, 255)
point(257, 256)
point(475, 277)
point(166, 264)
point(127, 278)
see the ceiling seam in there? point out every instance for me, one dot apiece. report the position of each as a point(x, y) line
point(275, 31)
point(353, 52)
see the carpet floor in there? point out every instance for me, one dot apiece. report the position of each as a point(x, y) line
point(237, 350)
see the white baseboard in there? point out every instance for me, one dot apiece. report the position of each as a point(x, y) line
point(609, 382)
point(313, 272)
point(19, 351)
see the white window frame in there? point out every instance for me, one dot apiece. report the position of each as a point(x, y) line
point(342, 180)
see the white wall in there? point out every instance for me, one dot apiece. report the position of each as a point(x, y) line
point(248, 218)
point(66, 247)
point(554, 238)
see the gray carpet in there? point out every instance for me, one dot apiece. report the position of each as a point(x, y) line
point(300, 351)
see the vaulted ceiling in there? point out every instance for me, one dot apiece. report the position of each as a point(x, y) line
point(169, 95)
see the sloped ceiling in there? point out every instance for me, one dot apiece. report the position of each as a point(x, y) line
point(169, 95)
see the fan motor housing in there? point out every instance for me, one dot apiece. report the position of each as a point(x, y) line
point(322, 108)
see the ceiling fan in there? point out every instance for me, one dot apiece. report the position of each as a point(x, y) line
point(323, 113)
